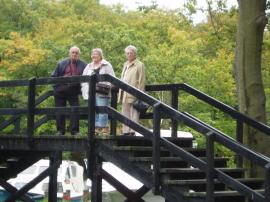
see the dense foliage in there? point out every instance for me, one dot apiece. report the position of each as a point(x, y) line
point(35, 34)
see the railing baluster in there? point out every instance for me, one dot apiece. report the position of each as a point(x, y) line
point(91, 124)
point(174, 103)
point(31, 108)
point(17, 126)
point(113, 105)
point(156, 148)
point(91, 106)
point(239, 138)
point(267, 183)
point(210, 186)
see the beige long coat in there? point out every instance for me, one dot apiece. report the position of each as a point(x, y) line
point(134, 75)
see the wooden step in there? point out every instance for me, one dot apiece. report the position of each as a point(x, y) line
point(195, 173)
point(144, 151)
point(141, 141)
point(199, 185)
point(3, 171)
point(15, 153)
point(12, 161)
point(168, 162)
point(220, 196)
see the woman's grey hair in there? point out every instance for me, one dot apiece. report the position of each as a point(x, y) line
point(98, 51)
point(131, 48)
point(76, 48)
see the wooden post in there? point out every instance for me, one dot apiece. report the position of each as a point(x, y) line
point(31, 108)
point(174, 103)
point(17, 126)
point(156, 148)
point(52, 194)
point(267, 183)
point(113, 105)
point(91, 124)
point(210, 186)
point(239, 138)
point(96, 194)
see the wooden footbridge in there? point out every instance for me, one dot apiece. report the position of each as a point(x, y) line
point(170, 167)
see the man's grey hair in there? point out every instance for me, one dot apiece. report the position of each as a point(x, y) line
point(98, 51)
point(131, 48)
point(76, 48)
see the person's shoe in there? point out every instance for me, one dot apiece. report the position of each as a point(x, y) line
point(105, 131)
point(97, 132)
point(75, 133)
point(59, 133)
point(129, 134)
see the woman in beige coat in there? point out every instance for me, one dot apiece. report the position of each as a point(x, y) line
point(134, 74)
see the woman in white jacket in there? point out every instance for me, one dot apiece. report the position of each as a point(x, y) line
point(101, 66)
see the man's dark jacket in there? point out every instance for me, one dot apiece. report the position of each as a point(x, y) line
point(60, 71)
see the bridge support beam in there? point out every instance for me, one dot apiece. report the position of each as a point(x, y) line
point(52, 194)
point(18, 194)
point(96, 195)
point(129, 194)
point(12, 190)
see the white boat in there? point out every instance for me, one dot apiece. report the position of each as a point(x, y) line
point(69, 180)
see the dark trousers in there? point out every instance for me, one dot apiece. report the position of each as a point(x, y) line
point(61, 101)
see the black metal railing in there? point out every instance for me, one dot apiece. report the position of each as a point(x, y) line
point(159, 110)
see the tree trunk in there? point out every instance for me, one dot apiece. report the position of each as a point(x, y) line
point(250, 89)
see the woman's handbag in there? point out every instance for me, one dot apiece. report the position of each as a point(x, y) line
point(140, 106)
point(103, 89)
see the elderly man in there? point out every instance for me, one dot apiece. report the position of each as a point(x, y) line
point(134, 74)
point(64, 93)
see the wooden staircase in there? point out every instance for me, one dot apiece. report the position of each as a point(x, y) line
point(179, 180)
point(13, 162)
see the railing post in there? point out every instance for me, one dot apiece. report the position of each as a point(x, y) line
point(113, 105)
point(156, 148)
point(239, 138)
point(17, 126)
point(31, 109)
point(210, 186)
point(52, 191)
point(96, 189)
point(91, 124)
point(174, 103)
point(267, 183)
